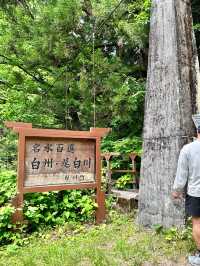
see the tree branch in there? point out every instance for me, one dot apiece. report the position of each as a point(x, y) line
point(10, 62)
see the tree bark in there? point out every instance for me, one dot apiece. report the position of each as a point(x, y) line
point(169, 104)
point(196, 72)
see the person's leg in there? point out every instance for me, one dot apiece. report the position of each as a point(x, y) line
point(196, 231)
point(195, 260)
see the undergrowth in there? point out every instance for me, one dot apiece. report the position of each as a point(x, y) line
point(47, 209)
point(119, 241)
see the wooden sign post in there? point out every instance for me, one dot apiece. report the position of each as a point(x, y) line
point(50, 159)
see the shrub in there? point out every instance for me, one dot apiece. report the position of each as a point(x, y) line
point(124, 181)
point(53, 208)
point(7, 186)
point(41, 209)
point(6, 226)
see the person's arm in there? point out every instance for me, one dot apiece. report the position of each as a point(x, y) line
point(181, 175)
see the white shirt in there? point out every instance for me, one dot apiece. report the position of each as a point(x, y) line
point(188, 169)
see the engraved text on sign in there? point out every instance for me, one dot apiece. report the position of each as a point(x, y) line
point(55, 162)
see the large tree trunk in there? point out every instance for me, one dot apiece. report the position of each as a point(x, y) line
point(170, 103)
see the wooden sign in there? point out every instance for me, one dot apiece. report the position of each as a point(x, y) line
point(58, 160)
point(64, 161)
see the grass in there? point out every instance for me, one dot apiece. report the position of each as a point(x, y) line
point(119, 242)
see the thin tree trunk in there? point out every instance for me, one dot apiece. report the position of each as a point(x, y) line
point(170, 103)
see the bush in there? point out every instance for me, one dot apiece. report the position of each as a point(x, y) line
point(41, 209)
point(7, 186)
point(55, 208)
point(123, 146)
point(175, 234)
point(125, 181)
point(6, 227)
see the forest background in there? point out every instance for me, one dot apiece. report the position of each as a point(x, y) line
point(55, 56)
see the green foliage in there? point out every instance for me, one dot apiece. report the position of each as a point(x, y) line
point(196, 27)
point(41, 209)
point(137, 26)
point(110, 202)
point(8, 150)
point(49, 69)
point(11, 233)
point(196, 22)
point(48, 73)
point(7, 186)
point(174, 234)
point(48, 65)
point(55, 208)
point(7, 191)
point(124, 181)
point(6, 226)
point(115, 243)
point(123, 146)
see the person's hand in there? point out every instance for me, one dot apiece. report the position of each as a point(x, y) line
point(177, 195)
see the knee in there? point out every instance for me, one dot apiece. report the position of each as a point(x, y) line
point(196, 225)
point(196, 221)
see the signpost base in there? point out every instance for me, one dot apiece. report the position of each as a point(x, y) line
point(101, 209)
point(17, 202)
point(18, 216)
